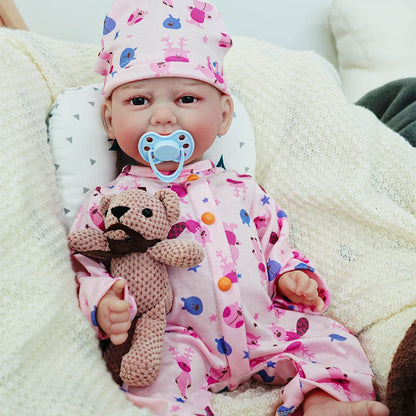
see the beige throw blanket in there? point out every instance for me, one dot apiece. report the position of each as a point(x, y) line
point(346, 181)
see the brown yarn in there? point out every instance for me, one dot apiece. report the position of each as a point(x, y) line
point(142, 262)
point(401, 384)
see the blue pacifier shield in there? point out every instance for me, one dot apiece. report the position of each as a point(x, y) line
point(155, 149)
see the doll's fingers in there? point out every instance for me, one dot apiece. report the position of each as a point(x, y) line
point(291, 285)
point(311, 289)
point(119, 306)
point(118, 288)
point(119, 331)
point(319, 305)
point(119, 328)
point(122, 316)
point(118, 339)
point(302, 284)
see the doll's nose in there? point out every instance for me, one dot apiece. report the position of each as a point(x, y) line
point(163, 114)
point(119, 211)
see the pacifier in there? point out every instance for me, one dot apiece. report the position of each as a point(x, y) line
point(176, 147)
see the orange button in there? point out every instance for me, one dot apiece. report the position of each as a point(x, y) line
point(193, 177)
point(224, 283)
point(208, 218)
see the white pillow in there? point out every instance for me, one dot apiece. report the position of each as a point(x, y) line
point(85, 158)
point(375, 40)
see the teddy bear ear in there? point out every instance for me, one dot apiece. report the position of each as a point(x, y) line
point(171, 202)
point(105, 203)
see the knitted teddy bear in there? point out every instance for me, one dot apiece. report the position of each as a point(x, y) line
point(137, 225)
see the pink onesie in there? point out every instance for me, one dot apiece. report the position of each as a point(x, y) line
point(228, 323)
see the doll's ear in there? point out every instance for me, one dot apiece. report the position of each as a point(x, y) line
point(106, 117)
point(227, 114)
point(171, 202)
point(105, 203)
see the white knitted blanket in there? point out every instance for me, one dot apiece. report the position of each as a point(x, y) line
point(347, 183)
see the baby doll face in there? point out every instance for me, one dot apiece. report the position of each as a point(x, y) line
point(164, 105)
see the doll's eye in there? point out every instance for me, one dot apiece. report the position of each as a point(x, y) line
point(188, 99)
point(147, 212)
point(138, 101)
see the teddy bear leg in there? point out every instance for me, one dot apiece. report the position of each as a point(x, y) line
point(113, 354)
point(140, 366)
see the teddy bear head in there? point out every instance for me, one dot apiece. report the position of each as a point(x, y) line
point(137, 211)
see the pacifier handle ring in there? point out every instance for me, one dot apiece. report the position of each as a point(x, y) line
point(151, 144)
point(161, 176)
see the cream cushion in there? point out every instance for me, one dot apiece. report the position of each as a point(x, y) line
point(375, 41)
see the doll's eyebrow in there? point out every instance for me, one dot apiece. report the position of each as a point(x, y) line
point(132, 85)
point(192, 82)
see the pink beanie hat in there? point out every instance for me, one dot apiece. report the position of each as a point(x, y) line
point(145, 39)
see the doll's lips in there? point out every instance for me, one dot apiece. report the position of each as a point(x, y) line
point(162, 134)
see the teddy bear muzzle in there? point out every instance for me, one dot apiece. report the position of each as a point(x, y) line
point(134, 243)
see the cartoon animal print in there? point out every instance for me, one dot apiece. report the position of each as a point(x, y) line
point(258, 254)
point(285, 411)
point(136, 17)
point(184, 362)
point(193, 305)
point(252, 341)
point(228, 269)
point(175, 54)
point(168, 3)
point(214, 375)
point(181, 191)
point(240, 188)
point(160, 68)
point(172, 23)
point(233, 315)
point(225, 41)
point(338, 380)
point(200, 12)
point(213, 72)
point(109, 25)
point(201, 232)
point(95, 215)
point(232, 240)
point(106, 66)
point(127, 56)
point(302, 326)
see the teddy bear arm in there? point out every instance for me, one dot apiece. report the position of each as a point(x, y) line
point(177, 253)
point(88, 242)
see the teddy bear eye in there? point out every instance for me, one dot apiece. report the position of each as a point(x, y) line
point(147, 212)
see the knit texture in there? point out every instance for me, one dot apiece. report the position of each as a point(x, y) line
point(50, 362)
point(136, 227)
point(346, 181)
point(401, 388)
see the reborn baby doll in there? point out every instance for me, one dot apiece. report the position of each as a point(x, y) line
point(252, 308)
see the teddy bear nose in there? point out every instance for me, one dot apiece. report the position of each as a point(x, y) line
point(118, 212)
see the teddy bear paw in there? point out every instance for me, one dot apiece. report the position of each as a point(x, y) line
point(138, 371)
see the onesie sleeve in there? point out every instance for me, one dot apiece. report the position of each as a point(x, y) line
point(93, 278)
point(280, 257)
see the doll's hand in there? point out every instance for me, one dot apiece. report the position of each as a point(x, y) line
point(300, 288)
point(113, 314)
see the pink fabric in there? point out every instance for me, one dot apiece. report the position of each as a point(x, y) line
point(218, 339)
point(174, 38)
